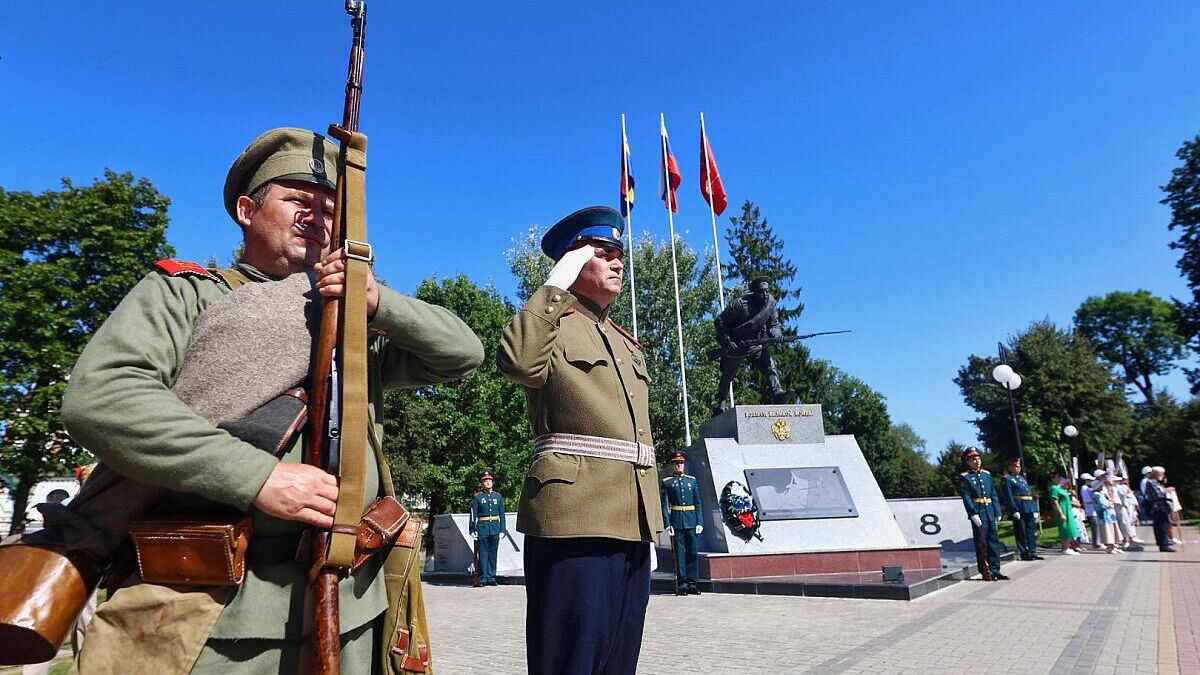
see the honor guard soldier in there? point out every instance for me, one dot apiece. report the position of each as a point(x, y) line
point(983, 506)
point(587, 508)
point(487, 524)
point(681, 512)
point(1023, 508)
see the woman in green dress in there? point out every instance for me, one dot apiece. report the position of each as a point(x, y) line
point(1068, 532)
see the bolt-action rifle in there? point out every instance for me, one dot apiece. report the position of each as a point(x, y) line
point(336, 410)
point(744, 347)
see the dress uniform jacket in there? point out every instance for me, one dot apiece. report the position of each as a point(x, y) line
point(682, 491)
point(1018, 497)
point(582, 375)
point(119, 405)
point(487, 514)
point(978, 492)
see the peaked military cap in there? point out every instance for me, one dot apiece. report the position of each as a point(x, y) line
point(600, 224)
point(970, 451)
point(1012, 460)
point(759, 281)
point(286, 153)
point(678, 455)
point(485, 476)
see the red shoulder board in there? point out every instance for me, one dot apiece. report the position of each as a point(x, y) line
point(568, 311)
point(624, 332)
point(179, 268)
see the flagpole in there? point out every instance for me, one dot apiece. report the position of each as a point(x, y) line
point(628, 226)
point(712, 211)
point(687, 421)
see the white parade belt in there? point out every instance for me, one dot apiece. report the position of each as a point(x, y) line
point(633, 452)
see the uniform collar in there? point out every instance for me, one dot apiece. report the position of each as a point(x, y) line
point(254, 273)
point(590, 309)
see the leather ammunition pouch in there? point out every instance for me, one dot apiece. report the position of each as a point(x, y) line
point(378, 529)
point(43, 592)
point(192, 550)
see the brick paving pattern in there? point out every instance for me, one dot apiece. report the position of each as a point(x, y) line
point(1093, 613)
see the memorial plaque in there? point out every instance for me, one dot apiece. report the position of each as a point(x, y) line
point(800, 493)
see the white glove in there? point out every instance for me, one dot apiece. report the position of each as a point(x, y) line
point(699, 529)
point(568, 267)
point(474, 535)
point(670, 531)
point(1037, 516)
point(1016, 515)
point(977, 520)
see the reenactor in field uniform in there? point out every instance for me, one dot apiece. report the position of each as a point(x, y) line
point(1023, 508)
point(588, 507)
point(487, 524)
point(120, 405)
point(682, 513)
point(978, 492)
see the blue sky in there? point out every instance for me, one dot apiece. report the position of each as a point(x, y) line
point(942, 173)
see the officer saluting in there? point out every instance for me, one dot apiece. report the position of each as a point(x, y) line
point(983, 506)
point(587, 507)
point(681, 512)
point(1023, 508)
point(487, 524)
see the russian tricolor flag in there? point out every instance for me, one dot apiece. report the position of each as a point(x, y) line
point(670, 178)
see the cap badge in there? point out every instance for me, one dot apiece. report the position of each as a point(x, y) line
point(317, 166)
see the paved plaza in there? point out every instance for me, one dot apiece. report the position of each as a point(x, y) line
point(1093, 613)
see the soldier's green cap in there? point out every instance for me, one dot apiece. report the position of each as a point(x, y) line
point(599, 224)
point(286, 153)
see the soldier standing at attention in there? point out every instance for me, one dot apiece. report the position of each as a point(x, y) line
point(487, 523)
point(983, 506)
point(588, 508)
point(119, 404)
point(1023, 508)
point(681, 512)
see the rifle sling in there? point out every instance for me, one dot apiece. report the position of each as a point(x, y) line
point(353, 465)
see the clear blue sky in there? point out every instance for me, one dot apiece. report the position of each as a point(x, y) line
point(942, 173)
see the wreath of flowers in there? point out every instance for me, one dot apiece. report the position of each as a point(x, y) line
point(741, 515)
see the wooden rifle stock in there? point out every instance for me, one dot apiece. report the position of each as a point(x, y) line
point(324, 389)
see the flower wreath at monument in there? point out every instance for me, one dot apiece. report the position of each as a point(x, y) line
point(741, 515)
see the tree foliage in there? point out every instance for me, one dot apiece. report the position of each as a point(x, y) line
point(1063, 383)
point(1137, 332)
point(438, 439)
point(67, 257)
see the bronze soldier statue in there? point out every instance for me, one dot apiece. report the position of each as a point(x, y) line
point(745, 330)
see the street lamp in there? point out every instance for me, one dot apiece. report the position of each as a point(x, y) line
point(1010, 380)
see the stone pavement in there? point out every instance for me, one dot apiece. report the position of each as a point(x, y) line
point(1137, 613)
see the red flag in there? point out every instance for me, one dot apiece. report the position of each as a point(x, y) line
point(669, 178)
point(709, 175)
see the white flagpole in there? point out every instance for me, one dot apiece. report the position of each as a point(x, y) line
point(712, 211)
point(628, 226)
point(687, 421)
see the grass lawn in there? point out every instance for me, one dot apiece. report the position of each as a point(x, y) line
point(1047, 538)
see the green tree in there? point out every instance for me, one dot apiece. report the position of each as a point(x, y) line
point(656, 326)
point(67, 257)
point(1138, 332)
point(949, 464)
point(1183, 197)
point(1063, 381)
point(917, 476)
point(439, 438)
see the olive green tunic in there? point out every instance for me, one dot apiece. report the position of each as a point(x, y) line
point(119, 406)
point(582, 375)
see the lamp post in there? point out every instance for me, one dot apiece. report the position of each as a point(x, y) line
point(1010, 380)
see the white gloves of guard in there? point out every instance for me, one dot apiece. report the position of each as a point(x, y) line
point(977, 520)
point(699, 529)
point(474, 535)
point(1016, 515)
point(1037, 516)
point(670, 531)
point(568, 267)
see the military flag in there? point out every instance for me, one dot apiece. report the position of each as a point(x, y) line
point(670, 178)
point(711, 185)
point(626, 174)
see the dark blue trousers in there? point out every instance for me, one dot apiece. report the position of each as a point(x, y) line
point(1026, 533)
point(686, 561)
point(991, 545)
point(585, 605)
point(489, 546)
